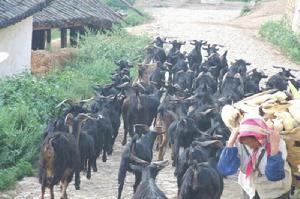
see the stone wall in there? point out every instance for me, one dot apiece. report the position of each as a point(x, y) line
point(293, 14)
point(16, 41)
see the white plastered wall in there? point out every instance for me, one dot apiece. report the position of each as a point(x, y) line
point(16, 41)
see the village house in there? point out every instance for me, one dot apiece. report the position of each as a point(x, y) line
point(16, 32)
point(73, 17)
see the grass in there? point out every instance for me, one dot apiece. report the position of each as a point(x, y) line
point(117, 4)
point(246, 9)
point(27, 102)
point(281, 35)
point(132, 18)
point(55, 33)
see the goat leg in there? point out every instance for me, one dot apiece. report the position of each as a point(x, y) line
point(138, 178)
point(43, 192)
point(104, 157)
point(51, 192)
point(130, 128)
point(120, 189)
point(125, 122)
point(163, 147)
point(65, 184)
point(88, 173)
point(77, 180)
point(158, 142)
point(94, 164)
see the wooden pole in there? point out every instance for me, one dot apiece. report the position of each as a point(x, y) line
point(73, 37)
point(63, 38)
point(48, 33)
point(81, 31)
point(131, 7)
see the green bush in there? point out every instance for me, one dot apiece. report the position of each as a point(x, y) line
point(280, 34)
point(245, 10)
point(10, 175)
point(117, 4)
point(134, 19)
point(27, 102)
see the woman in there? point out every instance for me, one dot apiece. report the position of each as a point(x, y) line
point(260, 154)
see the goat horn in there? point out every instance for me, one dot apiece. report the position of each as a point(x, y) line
point(50, 140)
point(83, 116)
point(68, 101)
point(87, 100)
point(207, 111)
point(161, 163)
point(138, 160)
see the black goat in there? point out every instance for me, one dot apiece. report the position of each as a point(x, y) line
point(251, 81)
point(174, 52)
point(60, 158)
point(100, 129)
point(195, 56)
point(147, 189)
point(199, 152)
point(158, 76)
point(139, 109)
point(141, 148)
point(87, 152)
point(201, 181)
point(185, 131)
point(239, 66)
point(280, 80)
point(232, 88)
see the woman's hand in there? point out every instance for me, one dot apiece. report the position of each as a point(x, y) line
point(275, 137)
point(233, 136)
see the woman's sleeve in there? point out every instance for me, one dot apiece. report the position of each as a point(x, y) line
point(229, 162)
point(275, 167)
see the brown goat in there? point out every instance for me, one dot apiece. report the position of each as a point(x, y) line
point(60, 157)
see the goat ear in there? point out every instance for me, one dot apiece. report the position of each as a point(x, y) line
point(69, 119)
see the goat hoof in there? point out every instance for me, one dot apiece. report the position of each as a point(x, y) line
point(104, 159)
point(77, 187)
point(65, 196)
point(88, 175)
point(95, 169)
point(124, 142)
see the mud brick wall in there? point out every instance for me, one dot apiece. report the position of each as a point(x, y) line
point(293, 14)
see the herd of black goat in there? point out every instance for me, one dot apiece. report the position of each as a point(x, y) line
point(174, 102)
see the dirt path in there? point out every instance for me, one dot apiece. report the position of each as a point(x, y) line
point(188, 19)
point(184, 20)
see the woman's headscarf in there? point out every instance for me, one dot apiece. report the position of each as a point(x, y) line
point(256, 127)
